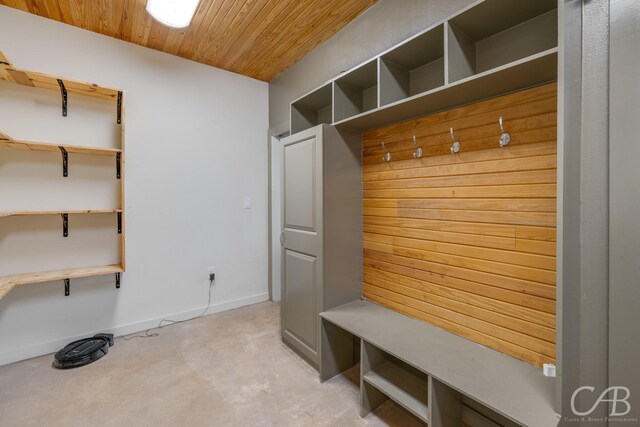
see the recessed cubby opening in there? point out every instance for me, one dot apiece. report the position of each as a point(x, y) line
point(385, 376)
point(414, 67)
point(497, 32)
point(312, 109)
point(356, 91)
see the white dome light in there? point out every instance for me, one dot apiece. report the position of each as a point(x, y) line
point(173, 13)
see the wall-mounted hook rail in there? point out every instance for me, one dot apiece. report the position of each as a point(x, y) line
point(65, 162)
point(418, 153)
point(118, 164)
point(66, 287)
point(65, 224)
point(505, 137)
point(119, 222)
point(63, 92)
point(117, 280)
point(119, 107)
point(455, 147)
point(387, 154)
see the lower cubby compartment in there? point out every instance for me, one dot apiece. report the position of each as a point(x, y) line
point(450, 408)
point(385, 376)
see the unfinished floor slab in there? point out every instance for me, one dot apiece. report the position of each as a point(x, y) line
point(228, 369)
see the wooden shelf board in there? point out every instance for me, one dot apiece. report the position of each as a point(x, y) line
point(14, 144)
point(401, 386)
point(40, 80)
point(70, 212)
point(9, 282)
point(531, 71)
point(522, 393)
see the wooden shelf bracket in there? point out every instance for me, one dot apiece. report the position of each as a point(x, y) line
point(118, 164)
point(119, 222)
point(67, 283)
point(63, 92)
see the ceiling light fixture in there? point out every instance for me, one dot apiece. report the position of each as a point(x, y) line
point(173, 13)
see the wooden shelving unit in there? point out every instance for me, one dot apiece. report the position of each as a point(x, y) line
point(44, 81)
point(11, 74)
point(70, 212)
point(490, 49)
point(46, 146)
point(7, 283)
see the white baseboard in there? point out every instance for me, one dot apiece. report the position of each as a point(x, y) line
point(35, 350)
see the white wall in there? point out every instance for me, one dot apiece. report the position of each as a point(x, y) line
point(195, 147)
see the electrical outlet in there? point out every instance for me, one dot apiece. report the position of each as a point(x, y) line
point(212, 274)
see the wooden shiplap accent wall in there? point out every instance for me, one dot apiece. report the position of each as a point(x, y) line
point(467, 242)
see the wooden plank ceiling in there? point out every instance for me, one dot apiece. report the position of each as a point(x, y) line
point(257, 38)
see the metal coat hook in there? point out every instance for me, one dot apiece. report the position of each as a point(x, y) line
point(455, 147)
point(418, 153)
point(505, 137)
point(387, 154)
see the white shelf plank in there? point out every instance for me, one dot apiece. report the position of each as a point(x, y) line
point(402, 386)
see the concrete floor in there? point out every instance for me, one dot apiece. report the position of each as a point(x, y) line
point(227, 369)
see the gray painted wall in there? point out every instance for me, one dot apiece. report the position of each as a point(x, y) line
point(385, 24)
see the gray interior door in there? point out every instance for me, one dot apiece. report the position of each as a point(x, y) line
point(301, 240)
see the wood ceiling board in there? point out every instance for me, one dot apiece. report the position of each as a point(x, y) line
point(256, 38)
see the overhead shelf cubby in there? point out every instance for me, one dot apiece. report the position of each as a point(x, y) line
point(356, 91)
point(312, 109)
point(414, 67)
point(498, 32)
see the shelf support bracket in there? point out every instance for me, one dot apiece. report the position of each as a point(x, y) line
point(119, 107)
point(66, 287)
point(118, 164)
point(65, 162)
point(63, 92)
point(119, 222)
point(117, 280)
point(65, 224)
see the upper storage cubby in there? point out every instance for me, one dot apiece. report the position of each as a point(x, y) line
point(312, 109)
point(356, 91)
point(497, 32)
point(414, 67)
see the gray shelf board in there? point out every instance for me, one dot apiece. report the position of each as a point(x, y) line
point(315, 100)
point(401, 386)
point(511, 387)
point(362, 77)
point(531, 71)
point(494, 16)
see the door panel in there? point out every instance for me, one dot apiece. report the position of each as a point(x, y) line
point(301, 296)
point(303, 262)
point(300, 206)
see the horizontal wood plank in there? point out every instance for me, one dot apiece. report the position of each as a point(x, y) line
point(467, 242)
